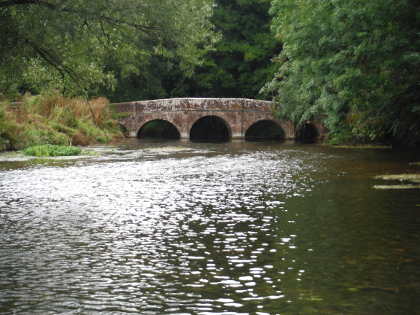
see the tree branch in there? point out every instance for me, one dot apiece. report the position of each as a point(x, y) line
point(91, 15)
point(53, 61)
point(9, 3)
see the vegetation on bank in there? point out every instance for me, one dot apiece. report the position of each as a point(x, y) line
point(352, 63)
point(55, 120)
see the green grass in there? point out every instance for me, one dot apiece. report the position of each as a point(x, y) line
point(56, 120)
point(52, 150)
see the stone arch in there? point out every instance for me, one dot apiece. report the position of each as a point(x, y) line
point(158, 128)
point(265, 130)
point(140, 119)
point(286, 125)
point(210, 128)
point(308, 132)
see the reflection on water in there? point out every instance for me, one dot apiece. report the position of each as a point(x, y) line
point(188, 228)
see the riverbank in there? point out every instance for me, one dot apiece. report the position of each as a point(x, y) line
point(54, 119)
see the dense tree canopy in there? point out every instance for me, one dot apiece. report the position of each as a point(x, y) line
point(240, 63)
point(80, 47)
point(353, 62)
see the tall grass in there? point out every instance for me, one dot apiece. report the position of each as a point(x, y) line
point(54, 119)
point(8, 128)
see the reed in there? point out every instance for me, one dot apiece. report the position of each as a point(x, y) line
point(56, 120)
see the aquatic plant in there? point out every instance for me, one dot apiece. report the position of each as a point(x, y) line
point(52, 150)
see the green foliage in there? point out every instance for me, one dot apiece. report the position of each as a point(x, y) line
point(39, 133)
point(7, 129)
point(240, 62)
point(52, 150)
point(353, 63)
point(56, 120)
point(93, 132)
point(90, 47)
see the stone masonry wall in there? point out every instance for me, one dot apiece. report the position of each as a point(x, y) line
point(238, 113)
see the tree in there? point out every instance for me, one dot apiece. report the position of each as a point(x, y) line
point(353, 62)
point(83, 47)
point(240, 62)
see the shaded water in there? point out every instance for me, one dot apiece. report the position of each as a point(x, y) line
point(189, 228)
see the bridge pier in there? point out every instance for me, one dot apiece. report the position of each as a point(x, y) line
point(238, 136)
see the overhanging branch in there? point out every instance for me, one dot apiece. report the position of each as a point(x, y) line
point(91, 15)
point(9, 3)
point(54, 61)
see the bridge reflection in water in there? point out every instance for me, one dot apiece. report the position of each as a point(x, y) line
point(212, 119)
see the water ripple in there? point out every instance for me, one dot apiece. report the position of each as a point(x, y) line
point(154, 232)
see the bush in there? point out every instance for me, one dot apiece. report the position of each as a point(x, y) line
point(52, 150)
point(342, 137)
point(7, 129)
point(54, 119)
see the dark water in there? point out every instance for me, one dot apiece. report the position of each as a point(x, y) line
point(188, 228)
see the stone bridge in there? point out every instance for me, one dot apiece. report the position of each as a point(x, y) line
point(238, 115)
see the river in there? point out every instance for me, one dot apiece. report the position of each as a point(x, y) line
point(193, 228)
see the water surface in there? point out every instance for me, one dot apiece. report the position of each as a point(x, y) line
point(190, 228)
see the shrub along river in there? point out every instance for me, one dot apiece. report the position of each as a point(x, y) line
point(190, 228)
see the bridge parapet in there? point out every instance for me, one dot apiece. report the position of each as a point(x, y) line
point(194, 104)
